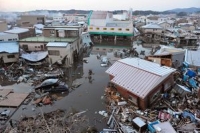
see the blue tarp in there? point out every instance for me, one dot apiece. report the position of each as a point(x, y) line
point(190, 115)
point(193, 83)
point(191, 73)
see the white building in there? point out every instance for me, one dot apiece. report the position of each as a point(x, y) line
point(60, 52)
point(102, 23)
point(8, 37)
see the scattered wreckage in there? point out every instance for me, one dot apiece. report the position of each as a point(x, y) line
point(52, 85)
point(175, 111)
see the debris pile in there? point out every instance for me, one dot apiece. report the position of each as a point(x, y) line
point(59, 121)
point(179, 109)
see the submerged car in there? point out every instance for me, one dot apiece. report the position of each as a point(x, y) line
point(104, 61)
point(52, 85)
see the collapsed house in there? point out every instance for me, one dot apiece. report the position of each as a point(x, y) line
point(168, 56)
point(139, 81)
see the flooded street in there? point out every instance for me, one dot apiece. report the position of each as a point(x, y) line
point(87, 97)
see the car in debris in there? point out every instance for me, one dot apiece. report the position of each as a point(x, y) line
point(52, 85)
point(104, 61)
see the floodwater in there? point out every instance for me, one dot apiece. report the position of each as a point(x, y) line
point(87, 97)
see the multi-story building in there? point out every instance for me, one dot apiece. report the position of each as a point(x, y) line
point(101, 24)
point(30, 20)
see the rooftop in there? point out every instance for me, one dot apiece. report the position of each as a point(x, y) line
point(2, 33)
point(17, 30)
point(48, 39)
point(9, 47)
point(138, 76)
point(151, 26)
point(57, 44)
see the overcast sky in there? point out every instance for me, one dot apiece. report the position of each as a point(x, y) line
point(156, 5)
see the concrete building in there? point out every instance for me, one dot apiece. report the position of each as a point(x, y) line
point(101, 23)
point(30, 20)
point(139, 81)
point(22, 32)
point(3, 26)
point(8, 37)
point(9, 52)
point(60, 52)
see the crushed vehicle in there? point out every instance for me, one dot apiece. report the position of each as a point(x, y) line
point(52, 85)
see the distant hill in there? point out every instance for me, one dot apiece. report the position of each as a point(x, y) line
point(187, 10)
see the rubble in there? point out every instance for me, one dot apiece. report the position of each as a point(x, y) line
point(178, 107)
point(58, 121)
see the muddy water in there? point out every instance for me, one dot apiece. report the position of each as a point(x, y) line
point(88, 96)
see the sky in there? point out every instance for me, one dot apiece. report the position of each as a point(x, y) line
point(109, 5)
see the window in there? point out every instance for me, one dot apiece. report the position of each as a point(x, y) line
point(97, 28)
point(54, 52)
point(35, 46)
point(111, 28)
point(9, 39)
point(1, 40)
point(91, 28)
point(52, 31)
point(104, 28)
point(120, 29)
point(11, 56)
point(154, 96)
point(127, 29)
point(97, 48)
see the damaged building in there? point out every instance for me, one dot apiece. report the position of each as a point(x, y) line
point(9, 52)
point(140, 81)
point(168, 56)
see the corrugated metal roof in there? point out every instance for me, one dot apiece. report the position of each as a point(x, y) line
point(147, 66)
point(138, 76)
point(57, 44)
point(9, 47)
point(99, 15)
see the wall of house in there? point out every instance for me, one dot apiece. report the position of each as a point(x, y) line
point(153, 30)
point(47, 32)
point(9, 37)
point(151, 97)
point(179, 57)
point(33, 46)
point(63, 51)
point(8, 58)
point(3, 26)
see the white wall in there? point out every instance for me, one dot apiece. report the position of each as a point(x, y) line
point(9, 37)
point(63, 52)
point(97, 22)
point(9, 60)
point(127, 30)
point(32, 46)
